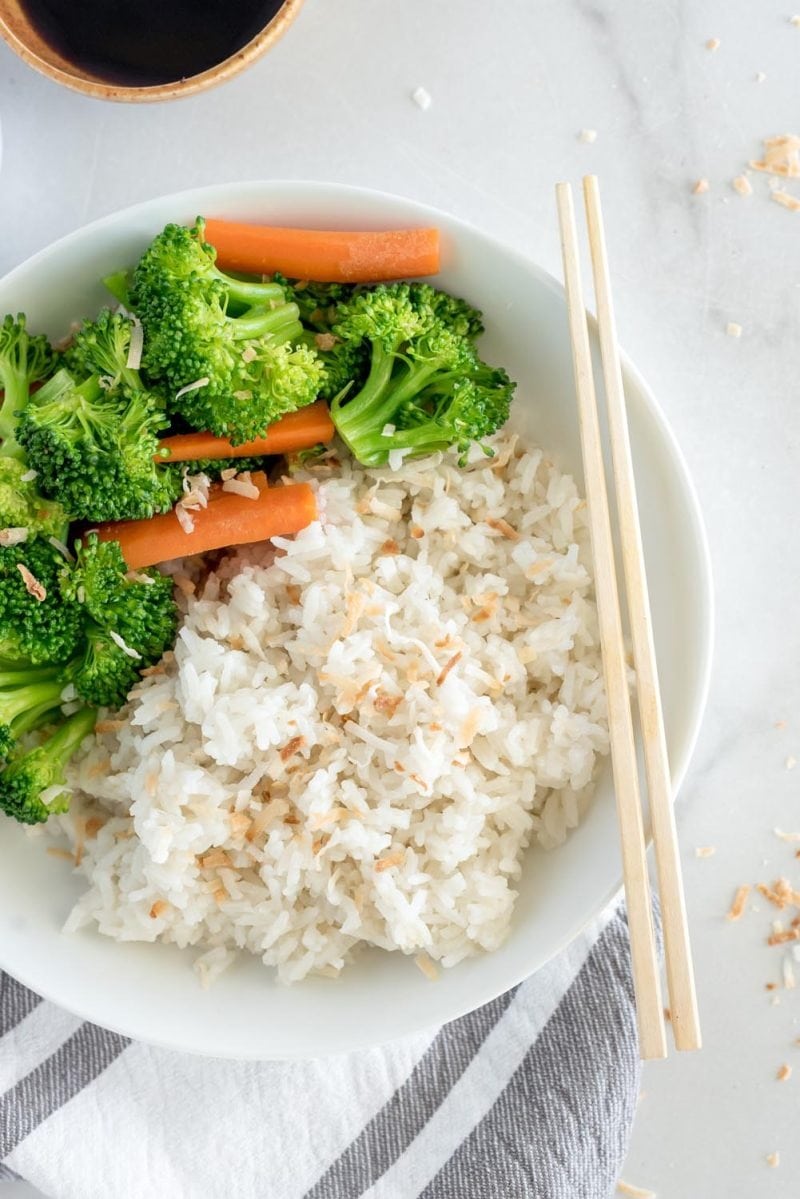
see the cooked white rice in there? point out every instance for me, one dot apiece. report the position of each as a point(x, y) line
point(361, 729)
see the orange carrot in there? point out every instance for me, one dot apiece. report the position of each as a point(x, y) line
point(326, 256)
point(229, 519)
point(297, 431)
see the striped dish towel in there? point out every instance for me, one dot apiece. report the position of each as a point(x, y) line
point(529, 1097)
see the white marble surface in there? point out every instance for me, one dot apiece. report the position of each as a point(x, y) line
point(512, 85)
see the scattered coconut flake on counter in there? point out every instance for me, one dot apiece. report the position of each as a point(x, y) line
point(739, 902)
point(588, 136)
point(705, 851)
point(789, 978)
point(795, 21)
point(713, 43)
point(786, 836)
point(742, 185)
point(13, 536)
point(701, 187)
point(422, 98)
point(760, 76)
point(733, 329)
point(773, 1159)
point(781, 156)
point(136, 345)
point(627, 1188)
point(790, 763)
point(784, 1073)
point(198, 383)
point(786, 200)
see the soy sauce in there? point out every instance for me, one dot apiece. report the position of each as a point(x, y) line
point(145, 42)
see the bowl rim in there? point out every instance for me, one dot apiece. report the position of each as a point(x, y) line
point(704, 591)
point(175, 89)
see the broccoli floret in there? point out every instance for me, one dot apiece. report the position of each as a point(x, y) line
point(27, 699)
point(21, 505)
point(143, 614)
point(36, 624)
point(103, 674)
point(28, 775)
point(236, 339)
point(24, 360)
point(95, 449)
point(101, 347)
point(346, 362)
point(426, 381)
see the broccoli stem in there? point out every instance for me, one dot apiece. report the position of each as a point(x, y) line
point(68, 737)
point(283, 322)
point(15, 385)
point(247, 291)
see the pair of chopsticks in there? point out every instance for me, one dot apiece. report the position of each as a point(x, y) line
point(680, 973)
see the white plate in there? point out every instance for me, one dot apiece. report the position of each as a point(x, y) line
point(150, 991)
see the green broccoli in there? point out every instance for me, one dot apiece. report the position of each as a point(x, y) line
point(28, 775)
point(21, 505)
point(36, 623)
point(104, 674)
point(427, 389)
point(346, 362)
point(95, 449)
point(24, 360)
point(138, 610)
point(227, 349)
point(101, 347)
point(27, 699)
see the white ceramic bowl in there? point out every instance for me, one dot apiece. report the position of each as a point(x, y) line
point(150, 991)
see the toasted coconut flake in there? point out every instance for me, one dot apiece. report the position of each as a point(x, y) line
point(32, 584)
point(588, 136)
point(136, 345)
point(198, 383)
point(448, 666)
point(330, 817)
point(701, 187)
point(713, 43)
point(240, 486)
point(773, 1159)
point(786, 836)
point(416, 532)
point(184, 518)
point(128, 650)
point(783, 937)
point(503, 527)
point(109, 726)
point(627, 1188)
point(13, 536)
point(214, 859)
point(291, 747)
point(390, 547)
point(787, 200)
point(742, 185)
point(784, 1073)
point(739, 902)
point(55, 852)
point(387, 703)
point(293, 593)
point(158, 909)
point(705, 851)
point(63, 549)
point(789, 977)
point(427, 966)
point(249, 354)
point(392, 859)
point(733, 329)
point(325, 341)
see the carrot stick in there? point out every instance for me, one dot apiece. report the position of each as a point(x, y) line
point(229, 519)
point(326, 256)
point(297, 431)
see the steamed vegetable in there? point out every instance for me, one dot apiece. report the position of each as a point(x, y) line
point(30, 774)
point(27, 699)
point(331, 256)
point(230, 519)
point(427, 389)
point(228, 352)
point(37, 625)
point(299, 430)
point(24, 361)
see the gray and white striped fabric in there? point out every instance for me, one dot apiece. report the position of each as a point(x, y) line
point(529, 1097)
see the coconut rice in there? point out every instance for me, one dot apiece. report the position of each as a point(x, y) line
point(361, 727)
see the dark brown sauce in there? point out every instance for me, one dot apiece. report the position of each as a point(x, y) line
point(145, 42)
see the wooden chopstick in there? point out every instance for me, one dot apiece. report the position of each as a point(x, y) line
point(646, 981)
point(677, 949)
